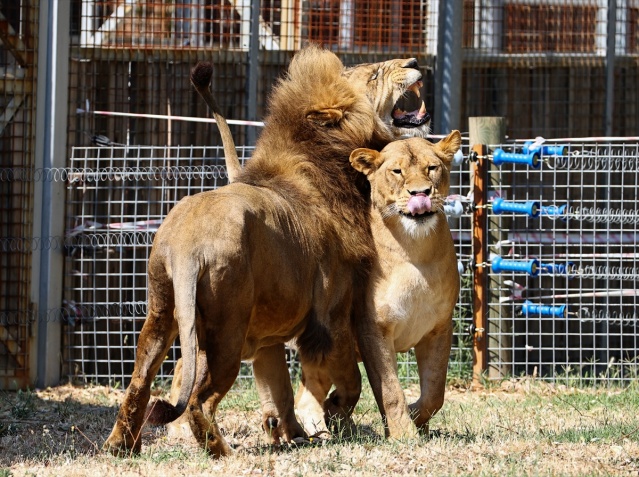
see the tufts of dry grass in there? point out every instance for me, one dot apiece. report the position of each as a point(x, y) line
point(518, 427)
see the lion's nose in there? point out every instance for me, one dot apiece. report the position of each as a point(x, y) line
point(411, 63)
point(425, 191)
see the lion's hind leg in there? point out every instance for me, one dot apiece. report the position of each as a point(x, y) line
point(158, 333)
point(222, 341)
point(208, 395)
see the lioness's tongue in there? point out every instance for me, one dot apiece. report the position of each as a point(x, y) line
point(418, 204)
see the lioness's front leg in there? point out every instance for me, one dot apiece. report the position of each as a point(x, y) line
point(313, 389)
point(432, 361)
point(341, 368)
point(380, 360)
point(276, 394)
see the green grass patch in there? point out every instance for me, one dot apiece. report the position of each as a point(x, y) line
point(604, 433)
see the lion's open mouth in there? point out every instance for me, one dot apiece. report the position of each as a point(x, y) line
point(410, 110)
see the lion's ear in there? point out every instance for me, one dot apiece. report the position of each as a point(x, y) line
point(365, 160)
point(325, 117)
point(450, 145)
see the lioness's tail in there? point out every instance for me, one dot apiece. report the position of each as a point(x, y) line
point(201, 79)
point(184, 289)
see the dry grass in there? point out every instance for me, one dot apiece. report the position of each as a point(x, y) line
point(520, 427)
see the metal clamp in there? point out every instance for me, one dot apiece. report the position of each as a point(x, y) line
point(472, 330)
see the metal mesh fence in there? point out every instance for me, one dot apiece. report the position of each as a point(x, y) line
point(545, 65)
point(18, 52)
point(562, 268)
point(135, 56)
point(564, 272)
point(552, 67)
point(118, 197)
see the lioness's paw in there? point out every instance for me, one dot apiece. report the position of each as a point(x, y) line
point(120, 448)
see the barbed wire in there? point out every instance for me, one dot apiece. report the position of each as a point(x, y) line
point(601, 159)
point(609, 215)
point(613, 317)
point(607, 272)
point(96, 240)
point(74, 313)
point(82, 175)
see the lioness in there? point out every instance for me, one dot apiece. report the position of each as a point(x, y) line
point(284, 252)
point(415, 281)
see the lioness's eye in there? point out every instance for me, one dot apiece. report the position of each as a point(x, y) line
point(397, 171)
point(374, 77)
point(432, 168)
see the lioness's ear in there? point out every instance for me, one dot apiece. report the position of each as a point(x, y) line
point(365, 160)
point(450, 145)
point(325, 117)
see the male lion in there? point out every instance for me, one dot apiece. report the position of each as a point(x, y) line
point(391, 86)
point(285, 252)
point(415, 282)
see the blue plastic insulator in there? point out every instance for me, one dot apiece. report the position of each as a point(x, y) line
point(530, 208)
point(554, 210)
point(531, 159)
point(454, 208)
point(529, 308)
point(458, 158)
point(546, 150)
point(555, 268)
point(531, 267)
point(567, 268)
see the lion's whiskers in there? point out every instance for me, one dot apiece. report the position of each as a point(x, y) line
point(389, 211)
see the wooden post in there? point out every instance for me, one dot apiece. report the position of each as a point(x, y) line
point(479, 259)
point(492, 333)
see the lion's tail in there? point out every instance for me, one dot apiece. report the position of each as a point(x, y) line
point(201, 76)
point(184, 288)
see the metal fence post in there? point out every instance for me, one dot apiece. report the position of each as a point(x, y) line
point(611, 34)
point(253, 71)
point(448, 72)
point(51, 138)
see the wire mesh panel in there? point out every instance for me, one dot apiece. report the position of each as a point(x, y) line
point(118, 197)
point(135, 57)
point(554, 68)
point(18, 27)
point(564, 263)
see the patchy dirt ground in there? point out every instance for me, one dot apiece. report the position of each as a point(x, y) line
point(515, 428)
